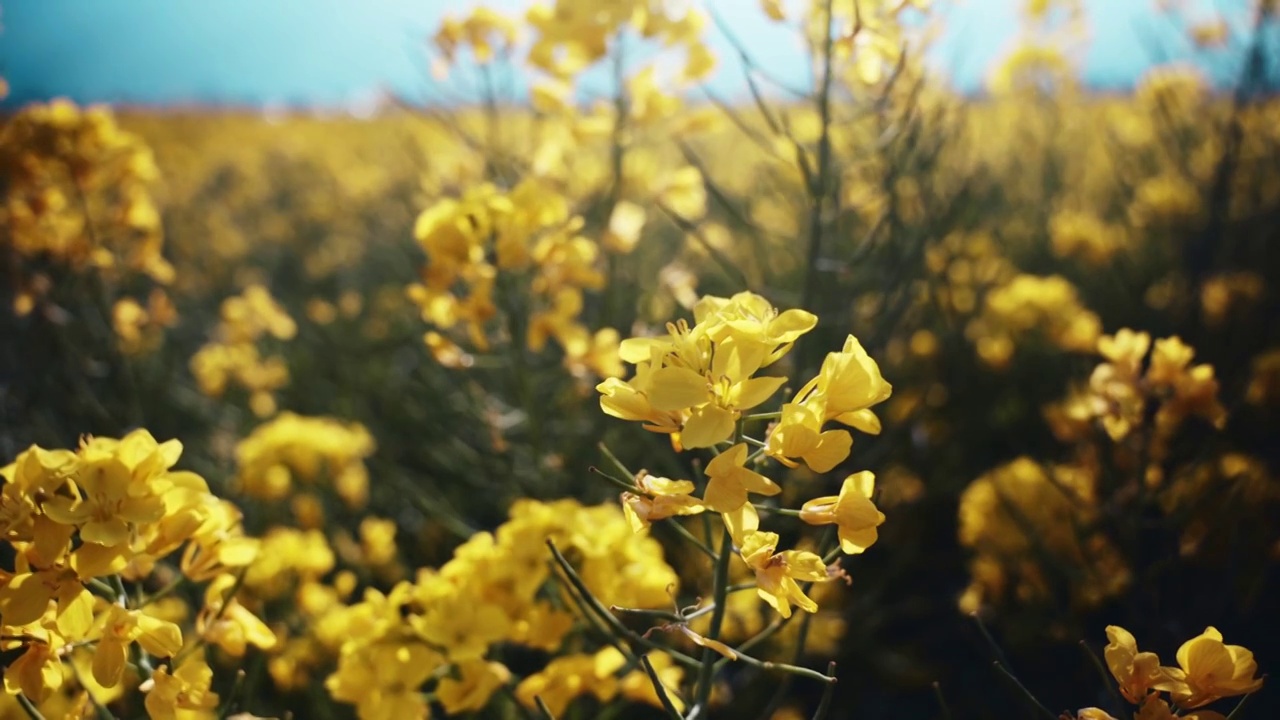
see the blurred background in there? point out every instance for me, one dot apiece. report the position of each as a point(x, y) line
point(212, 230)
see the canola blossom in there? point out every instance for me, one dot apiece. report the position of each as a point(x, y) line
point(626, 396)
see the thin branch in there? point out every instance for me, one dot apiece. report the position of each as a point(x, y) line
point(660, 689)
point(828, 693)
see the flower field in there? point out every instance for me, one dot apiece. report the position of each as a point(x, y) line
point(863, 399)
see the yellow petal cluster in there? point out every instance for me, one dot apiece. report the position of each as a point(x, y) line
point(493, 592)
point(1208, 670)
point(233, 357)
point(81, 524)
point(78, 196)
point(298, 449)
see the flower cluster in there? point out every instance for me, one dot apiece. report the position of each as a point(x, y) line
point(697, 384)
point(1131, 392)
point(1037, 530)
point(77, 196)
point(233, 357)
point(529, 236)
point(1208, 670)
point(449, 627)
point(140, 328)
point(1081, 234)
point(293, 448)
point(86, 526)
point(572, 35)
point(1049, 306)
point(1030, 527)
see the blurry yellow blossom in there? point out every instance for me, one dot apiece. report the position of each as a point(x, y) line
point(476, 683)
point(569, 676)
point(382, 679)
point(1165, 201)
point(234, 357)
point(1021, 512)
point(1049, 306)
point(484, 31)
point(1032, 68)
point(297, 448)
point(78, 196)
point(186, 689)
point(625, 224)
point(1085, 235)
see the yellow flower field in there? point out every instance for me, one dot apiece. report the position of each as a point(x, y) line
point(857, 400)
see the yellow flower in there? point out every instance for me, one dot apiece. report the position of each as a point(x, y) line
point(119, 629)
point(660, 498)
point(378, 540)
point(848, 384)
point(625, 225)
point(751, 319)
point(777, 573)
point(36, 673)
point(629, 400)
point(569, 676)
point(186, 689)
point(729, 482)
point(1209, 670)
point(475, 683)
point(701, 62)
point(456, 623)
point(799, 434)
point(25, 599)
point(1136, 672)
point(714, 399)
point(226, 623)
point(120, 486)
point(855, 516)
point(384, 680)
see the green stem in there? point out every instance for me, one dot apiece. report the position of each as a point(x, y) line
point(117, 586)
point(608, 454)
point(706, 674)
point(233, 697)
point(776, 510)
point(660, 689)
point(786, 667)
point(942, 700)
point(1236, 709)
point(619, 482)
point(824, 707)
point(683, 532)
point(29, 707)
point(612, 622)
point(1026, 694)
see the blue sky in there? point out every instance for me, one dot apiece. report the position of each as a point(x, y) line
point(340, 52)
